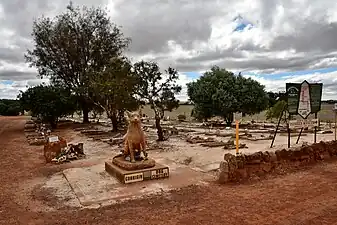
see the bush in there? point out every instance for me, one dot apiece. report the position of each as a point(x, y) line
point(181, 118)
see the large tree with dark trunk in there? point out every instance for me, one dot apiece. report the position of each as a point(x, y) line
point(221, 93)
point(157, 89)
point(74, 45)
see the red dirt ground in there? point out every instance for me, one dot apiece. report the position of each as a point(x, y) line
point(305, 197)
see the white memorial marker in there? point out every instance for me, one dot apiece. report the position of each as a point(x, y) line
point(304, 106)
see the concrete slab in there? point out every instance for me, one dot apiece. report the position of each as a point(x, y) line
point(93, 185)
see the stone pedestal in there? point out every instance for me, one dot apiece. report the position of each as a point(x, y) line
point(138, 165)
point(136, 172)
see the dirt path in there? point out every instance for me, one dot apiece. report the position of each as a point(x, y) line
point(306, 197)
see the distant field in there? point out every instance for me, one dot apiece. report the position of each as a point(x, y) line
point(326, 114)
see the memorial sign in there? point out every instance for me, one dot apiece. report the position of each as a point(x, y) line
point(304, 98)
point(304, 123)
point(293, 94)
point(304, 104)
point(315, 97)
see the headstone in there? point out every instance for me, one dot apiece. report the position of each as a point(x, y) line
point(237, 116)
point(53, 148)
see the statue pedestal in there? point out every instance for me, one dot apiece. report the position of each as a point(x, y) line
point(138, 165)
point(139, 171)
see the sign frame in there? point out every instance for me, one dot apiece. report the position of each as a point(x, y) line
point(312, 86)
point(293, 92)
point(52, 139)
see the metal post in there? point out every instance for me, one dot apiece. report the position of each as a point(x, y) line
point(278, 124)
point(237, 136)
point(299, 135)
point(335, 125)
point(288, 129)
point(315, 135)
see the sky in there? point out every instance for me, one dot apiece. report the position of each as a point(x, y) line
point(271, 41)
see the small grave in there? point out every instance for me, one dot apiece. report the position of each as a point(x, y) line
point(93, 185)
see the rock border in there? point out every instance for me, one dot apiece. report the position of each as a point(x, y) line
point(241, 167)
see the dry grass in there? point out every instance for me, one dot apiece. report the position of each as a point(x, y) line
point(326, 114)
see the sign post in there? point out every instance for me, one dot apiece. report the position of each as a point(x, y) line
point(237, 118)
point(304, 99)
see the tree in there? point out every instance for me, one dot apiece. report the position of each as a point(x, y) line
point(9, 107)
point(114, 88)
point(157, 89)
point(221, 93)
point(74, 45)
point(276, 110)
point(48, 102)
point(274, 97)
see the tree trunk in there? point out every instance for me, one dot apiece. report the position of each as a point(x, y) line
point(85, 111)
point(53, 123)
point(114, 122)
point(159, 129)
point(229, 119)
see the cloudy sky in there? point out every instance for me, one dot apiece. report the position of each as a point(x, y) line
point(272, 41)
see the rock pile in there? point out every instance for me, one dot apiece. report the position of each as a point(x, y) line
point(198, 139)
point(241, 167)
point(35, 133)
point(71, 152)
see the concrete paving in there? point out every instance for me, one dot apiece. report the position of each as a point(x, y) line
point(93, 185)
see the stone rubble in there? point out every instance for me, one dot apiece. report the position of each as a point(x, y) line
point(243, 166)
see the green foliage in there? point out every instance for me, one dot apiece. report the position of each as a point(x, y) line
point(276, 110)
point(10, 107)
point(157, 89)
point(114, 88)
point(48, 102)
point(74, 45)
point(276, 96)
point(202, 111)
point(221, 93)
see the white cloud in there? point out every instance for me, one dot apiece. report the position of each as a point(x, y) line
point(11, 90)
point(286, 35)
point(329, 81)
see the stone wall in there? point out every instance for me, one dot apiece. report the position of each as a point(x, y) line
point(241, 167)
